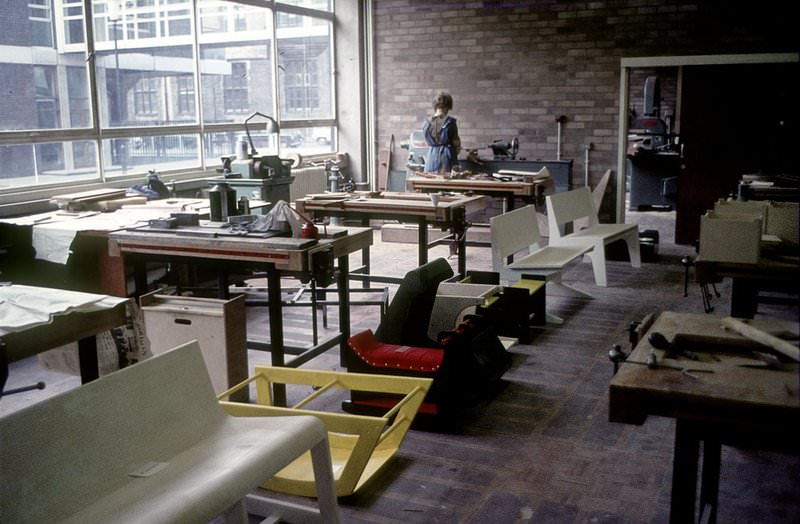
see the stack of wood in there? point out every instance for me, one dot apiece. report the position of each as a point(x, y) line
point(104, 199)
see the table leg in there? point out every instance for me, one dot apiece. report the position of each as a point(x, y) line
point(344, 303)
point(460, 236)
point(422, 241)
point(139, 276)
point(275, 308)
point(87, 359)
point(684, 473)
point(709, 490)
point(222, 284)
point(744, 298)
point(365, 256)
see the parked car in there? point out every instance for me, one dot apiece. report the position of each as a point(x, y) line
point(292, 140)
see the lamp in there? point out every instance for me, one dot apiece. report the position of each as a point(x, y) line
point(272, 127)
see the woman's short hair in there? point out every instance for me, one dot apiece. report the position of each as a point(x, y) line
point(443, 101)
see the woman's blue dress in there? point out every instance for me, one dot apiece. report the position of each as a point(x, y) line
point(439, 134)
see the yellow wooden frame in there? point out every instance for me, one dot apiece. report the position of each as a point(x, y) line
point(360, 445)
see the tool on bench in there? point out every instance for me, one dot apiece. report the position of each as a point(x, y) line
point(659, 341)
point(617, 356)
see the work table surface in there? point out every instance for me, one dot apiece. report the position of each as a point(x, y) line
point(390, 203)
point(716, 388)
point(286, 253)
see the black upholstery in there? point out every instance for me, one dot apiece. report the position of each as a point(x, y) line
point(406, 321)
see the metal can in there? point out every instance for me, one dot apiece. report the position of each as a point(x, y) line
point(244, 206)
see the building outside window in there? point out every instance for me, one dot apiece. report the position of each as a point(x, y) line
point(146, 56)
point(235, 89)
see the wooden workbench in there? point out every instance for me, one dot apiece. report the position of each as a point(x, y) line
point(449, 213)
point(717, 400)
point(276, 256)
point(532, 192)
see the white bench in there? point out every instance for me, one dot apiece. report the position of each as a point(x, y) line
point(517, 233)
point(151, 443)
point(567, 207)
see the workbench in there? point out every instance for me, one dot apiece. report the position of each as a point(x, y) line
point(532, 192)
point(276, 256)
point(449, 212)
point(773, 272)
point(79, 317)
point(69, 250)
point(716, 400)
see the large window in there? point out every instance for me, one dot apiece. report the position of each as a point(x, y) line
point(121, 97)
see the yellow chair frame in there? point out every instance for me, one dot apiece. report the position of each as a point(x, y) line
point(360, 445)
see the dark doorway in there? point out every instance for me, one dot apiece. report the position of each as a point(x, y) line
point(735, 119)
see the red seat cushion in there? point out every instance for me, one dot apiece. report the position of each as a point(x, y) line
point(380, 355)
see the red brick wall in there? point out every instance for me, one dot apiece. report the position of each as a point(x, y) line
point(514, 66)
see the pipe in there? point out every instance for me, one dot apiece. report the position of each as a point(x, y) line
point(559, 120)
point(586, 148)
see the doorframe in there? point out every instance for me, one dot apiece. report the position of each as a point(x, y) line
point(626, 64)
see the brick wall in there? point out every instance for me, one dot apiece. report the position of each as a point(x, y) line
point(514, 66)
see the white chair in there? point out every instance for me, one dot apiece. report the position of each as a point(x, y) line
point(151, 443)
point(566, 207)
point(517, 233)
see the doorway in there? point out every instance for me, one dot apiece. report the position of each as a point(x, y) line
point(735, 114)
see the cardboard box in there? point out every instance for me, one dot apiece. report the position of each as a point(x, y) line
point(730, 237)
point(219, 326)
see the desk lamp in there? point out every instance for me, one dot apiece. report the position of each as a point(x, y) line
point(272, 127)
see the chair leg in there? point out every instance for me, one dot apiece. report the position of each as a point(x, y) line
point(558, 288)
point(598, 258)
point(236, 514)
point(633, 249)
point(326, 487)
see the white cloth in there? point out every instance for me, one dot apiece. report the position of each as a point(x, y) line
point(23, 307)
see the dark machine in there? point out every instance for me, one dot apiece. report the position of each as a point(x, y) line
point(505, 150)
point(654, 155)
point(263, 177)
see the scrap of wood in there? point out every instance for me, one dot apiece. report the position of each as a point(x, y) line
point(117, 203)
point(89, 196)
point(762, 337)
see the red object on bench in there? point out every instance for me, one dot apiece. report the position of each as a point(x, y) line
point(395, 356)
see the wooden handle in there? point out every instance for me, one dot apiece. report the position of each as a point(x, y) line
point(762, 337)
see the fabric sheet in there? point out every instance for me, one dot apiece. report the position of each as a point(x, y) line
point(23, 307)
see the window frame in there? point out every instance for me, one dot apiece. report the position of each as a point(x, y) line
point(98, 133)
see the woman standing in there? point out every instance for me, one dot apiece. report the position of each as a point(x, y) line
point(441, 134)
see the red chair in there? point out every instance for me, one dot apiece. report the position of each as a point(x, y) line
point(464, 363)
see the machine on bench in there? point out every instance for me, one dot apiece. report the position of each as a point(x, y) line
point(654, 154)
point(262, 177)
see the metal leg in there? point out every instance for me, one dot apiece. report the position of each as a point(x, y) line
point(422, 241)
point(706, 296)
point(344, 304)
point(314, 328)
point(365, 257)
point(276, 329)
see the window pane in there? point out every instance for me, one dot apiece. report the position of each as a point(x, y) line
point(305, 69)
point(49, 163)
point(125, 156)
point(307, 140)
point(235, 60)
point(34, 80)
point(145, 64)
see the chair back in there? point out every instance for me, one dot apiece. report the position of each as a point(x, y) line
point(568, 206)
point(406, 321)
point(511, 233)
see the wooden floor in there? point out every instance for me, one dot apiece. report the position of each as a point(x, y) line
point(542, 449)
